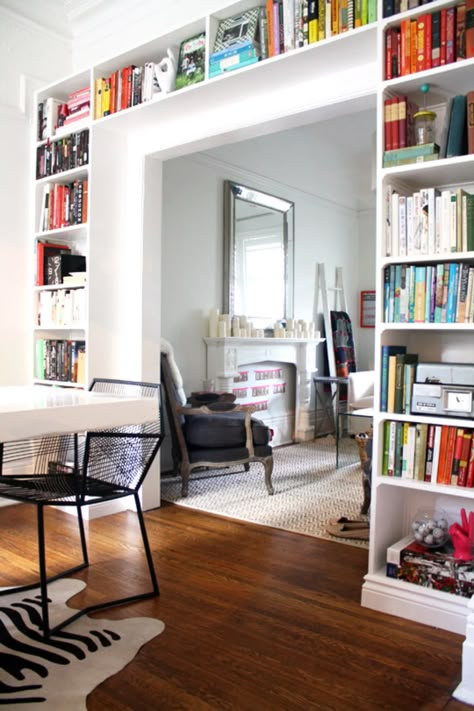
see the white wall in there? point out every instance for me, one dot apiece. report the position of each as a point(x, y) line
point(30, 57)
point(192, 249)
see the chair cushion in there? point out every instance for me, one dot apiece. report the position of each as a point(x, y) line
point(218, 431)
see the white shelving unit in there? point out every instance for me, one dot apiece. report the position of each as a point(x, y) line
point(396, 500)
point(123, 230)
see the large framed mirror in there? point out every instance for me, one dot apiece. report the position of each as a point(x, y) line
point(258, 255)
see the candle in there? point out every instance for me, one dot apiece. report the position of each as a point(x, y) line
point(221, 329)
point(213, 319)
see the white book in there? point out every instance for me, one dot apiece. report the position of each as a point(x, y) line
point(436, 443)
point(409, 220)
point(437, 248)
point(388, 191)
point(44, 208)
point(417, 222)
point(395, 224)
point(50, 122)
point(445, 221)
point(289, 24)
point(453, 216)
point(328, 19)
point(402, 226)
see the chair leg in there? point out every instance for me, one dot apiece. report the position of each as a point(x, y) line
point(82, 535)
point(184, 479)
point(268, 464)
point(42, 570)
point(146, 545)
point(247, 467)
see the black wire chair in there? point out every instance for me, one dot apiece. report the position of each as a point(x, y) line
point(82, 470)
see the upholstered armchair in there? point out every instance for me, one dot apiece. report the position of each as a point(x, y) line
point(211, 431)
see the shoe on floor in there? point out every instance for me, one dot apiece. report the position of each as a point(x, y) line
point(342, 531)
point(349, 523)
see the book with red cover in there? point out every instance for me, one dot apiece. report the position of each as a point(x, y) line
point(449, 456)
point(443, 26)
point(442, 453)
point(470, 467)
point(464, 461)
point(43, 251)
point(450, 35)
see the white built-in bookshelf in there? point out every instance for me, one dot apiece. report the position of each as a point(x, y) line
point(121, 239)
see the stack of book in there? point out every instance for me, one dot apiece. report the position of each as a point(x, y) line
point(411, 154)
point(436, 568)
point(234, 57)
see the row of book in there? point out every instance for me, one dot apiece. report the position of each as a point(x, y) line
point(398, 373)
point(64, 205)
point(429, 40)
point(56, 116)
point(66, 153)
point(429, 293)
point(126, 87)
point(393, 7)
point(60, 360)
point(437, 454)
point(438, 569)
point(399, 124)
point(429, 221)
point(61, 307)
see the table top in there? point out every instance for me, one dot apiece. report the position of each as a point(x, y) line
point(33, 411)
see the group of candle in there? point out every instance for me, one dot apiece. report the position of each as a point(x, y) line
point(225, 325)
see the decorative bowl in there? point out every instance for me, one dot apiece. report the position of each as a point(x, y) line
point(430, 528)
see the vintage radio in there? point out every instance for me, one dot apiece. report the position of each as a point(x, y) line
point(443, 389)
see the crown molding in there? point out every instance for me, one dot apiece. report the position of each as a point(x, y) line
point(57, 32)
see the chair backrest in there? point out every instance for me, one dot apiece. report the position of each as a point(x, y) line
point(122, 456)
point(172, 402)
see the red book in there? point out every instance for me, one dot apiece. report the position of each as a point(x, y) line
point(470, 467)
point(428, 40)
point(469, 29)
point(402, 122)
point(442, 453)
point(388, 54)
point(450, 35)
point(465, 452)
point(423, 42)
point(449, 457)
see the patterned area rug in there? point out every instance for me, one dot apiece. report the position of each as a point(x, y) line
point(59, 674)
point(309, 490)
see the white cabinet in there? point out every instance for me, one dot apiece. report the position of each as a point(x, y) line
point(396, 499)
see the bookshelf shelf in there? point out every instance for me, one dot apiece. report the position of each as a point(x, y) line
point(385, 328)
point(66, 176)
point(445, 171)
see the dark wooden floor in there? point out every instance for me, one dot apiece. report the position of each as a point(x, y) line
point(256, 618)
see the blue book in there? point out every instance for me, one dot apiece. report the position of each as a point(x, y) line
point(215, 69)
point(386, 352)
point(234, 49)
point(452, 292)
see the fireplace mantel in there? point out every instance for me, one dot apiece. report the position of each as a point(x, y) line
point(226, 355)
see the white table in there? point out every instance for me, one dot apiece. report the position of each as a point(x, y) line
point(37, 411)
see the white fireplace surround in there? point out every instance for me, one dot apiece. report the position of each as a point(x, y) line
point(226, 355)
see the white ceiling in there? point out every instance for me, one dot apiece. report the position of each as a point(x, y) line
point(67, 17)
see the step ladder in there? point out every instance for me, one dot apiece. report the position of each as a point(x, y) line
point(339, 304)
point(332, 381)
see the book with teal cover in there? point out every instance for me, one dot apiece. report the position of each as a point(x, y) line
point(457, 132)
point(452, 292)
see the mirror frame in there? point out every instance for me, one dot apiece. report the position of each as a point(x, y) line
point(232, 192)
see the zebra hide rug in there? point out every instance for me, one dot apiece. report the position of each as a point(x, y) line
point(59, 674)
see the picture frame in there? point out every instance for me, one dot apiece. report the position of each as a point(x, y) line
point(238, 29)
point(192, 61)
point(367, 309)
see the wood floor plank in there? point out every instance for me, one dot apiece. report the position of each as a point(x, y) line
point(256, 618)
